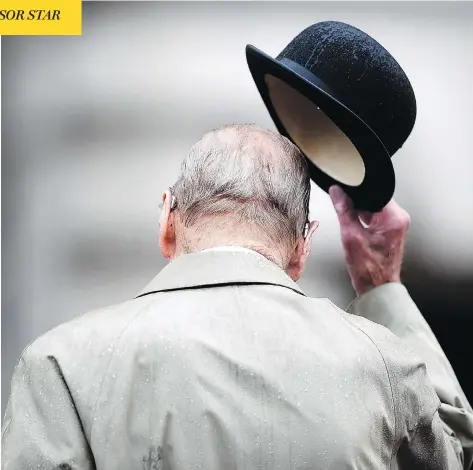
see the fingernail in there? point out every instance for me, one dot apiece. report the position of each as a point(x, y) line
point(366, 216)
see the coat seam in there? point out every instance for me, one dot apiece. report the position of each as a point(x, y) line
point(390, 386)
point(389, 380)
point(118, 338)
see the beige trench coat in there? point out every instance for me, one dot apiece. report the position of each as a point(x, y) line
point(223, 363)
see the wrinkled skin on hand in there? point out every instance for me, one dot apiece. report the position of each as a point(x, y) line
point(374, 251)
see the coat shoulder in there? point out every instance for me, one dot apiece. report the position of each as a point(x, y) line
point(414, 398)
point(93, 328)
point(81, 350)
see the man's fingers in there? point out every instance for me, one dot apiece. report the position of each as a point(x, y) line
point(343, 207)
point(394, 216)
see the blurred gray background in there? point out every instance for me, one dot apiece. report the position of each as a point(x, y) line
point(95, 127)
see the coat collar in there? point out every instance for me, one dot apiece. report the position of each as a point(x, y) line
point(218, 268)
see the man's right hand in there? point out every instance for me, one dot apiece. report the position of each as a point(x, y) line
point(373, 253)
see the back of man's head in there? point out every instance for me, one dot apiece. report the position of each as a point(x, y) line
point(243, 185)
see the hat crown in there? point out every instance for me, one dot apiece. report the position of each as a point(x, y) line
point(362, 74)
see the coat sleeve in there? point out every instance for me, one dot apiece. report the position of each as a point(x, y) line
point(41, 428)
point(390, 305)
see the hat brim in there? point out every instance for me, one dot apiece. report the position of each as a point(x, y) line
point(377, 187)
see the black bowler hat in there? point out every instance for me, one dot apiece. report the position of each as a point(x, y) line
point(345, 102)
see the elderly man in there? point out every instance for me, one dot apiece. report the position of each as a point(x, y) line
point(223, 363)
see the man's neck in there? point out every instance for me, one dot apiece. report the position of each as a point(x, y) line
point(191, 240)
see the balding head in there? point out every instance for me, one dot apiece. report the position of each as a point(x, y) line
point(242, 185)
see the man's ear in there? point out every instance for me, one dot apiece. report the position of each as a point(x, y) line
point(301, 253)
point(167, 232)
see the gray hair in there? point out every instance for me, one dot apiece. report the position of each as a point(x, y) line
point(252, 175)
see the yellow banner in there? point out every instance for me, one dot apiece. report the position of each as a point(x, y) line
point(40, 17)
